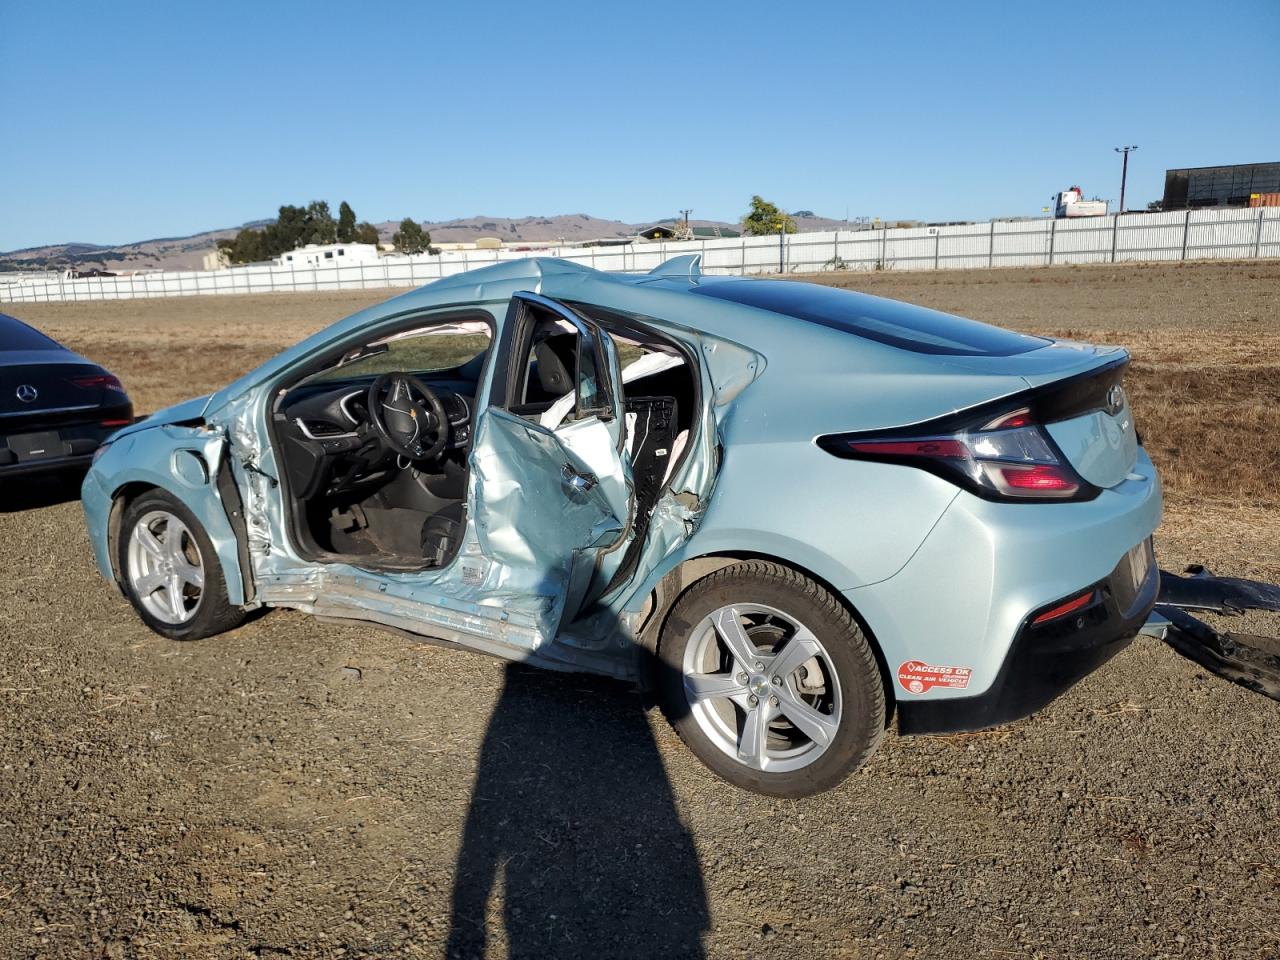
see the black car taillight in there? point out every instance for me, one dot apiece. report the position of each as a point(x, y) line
point(1003, 457)
point(104, 380)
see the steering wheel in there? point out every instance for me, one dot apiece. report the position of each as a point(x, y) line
point(401, 419)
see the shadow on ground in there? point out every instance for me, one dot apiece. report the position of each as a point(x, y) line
point(44, 490)
point(572, 845)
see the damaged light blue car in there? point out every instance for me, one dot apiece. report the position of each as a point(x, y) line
point(792, 512)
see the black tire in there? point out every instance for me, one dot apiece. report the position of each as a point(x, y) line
point(213, 612)
point(862, 721)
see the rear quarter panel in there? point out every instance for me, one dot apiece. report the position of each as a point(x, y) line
point(852, 523)
point(985, 566)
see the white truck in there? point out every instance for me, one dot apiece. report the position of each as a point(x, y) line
point(1071, 203)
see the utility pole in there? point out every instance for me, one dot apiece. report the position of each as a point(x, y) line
point(1124, 170)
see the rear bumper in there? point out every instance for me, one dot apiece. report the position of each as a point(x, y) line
point(1044, 661)
point(36, 448)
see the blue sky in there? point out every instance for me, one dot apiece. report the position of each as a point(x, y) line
point(138, 120)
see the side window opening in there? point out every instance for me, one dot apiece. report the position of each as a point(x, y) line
point(352, 496)
point(591, 399)
point(658, 387)
point(561, 376)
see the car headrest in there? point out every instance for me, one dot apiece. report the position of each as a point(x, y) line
point(556, 361)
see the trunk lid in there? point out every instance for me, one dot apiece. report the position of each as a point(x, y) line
point(31, 386)
point(1079, 390)
point(1102, 445)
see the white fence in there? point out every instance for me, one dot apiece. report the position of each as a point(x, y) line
point(1189, 235)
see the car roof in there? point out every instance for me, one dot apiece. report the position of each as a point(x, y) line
point(669, 297)
point(677, 291)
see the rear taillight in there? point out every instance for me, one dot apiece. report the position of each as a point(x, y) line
point(1042, 479)
point(1008, 457)
point(105, 381)
point(1015, 418)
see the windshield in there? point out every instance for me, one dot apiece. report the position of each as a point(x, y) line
point(439, 348)
point(902, 325)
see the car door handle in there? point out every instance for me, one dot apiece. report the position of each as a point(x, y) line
point(575, 482)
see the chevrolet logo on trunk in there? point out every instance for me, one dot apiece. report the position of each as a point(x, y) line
point(27, 393)
point(1115, 399)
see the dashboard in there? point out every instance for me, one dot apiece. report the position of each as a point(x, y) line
point(331, 444)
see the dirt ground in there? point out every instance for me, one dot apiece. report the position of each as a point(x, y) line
point(306, 790)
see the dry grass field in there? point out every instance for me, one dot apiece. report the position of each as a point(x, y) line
point(297, 789)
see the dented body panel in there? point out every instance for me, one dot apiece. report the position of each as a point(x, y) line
point(184, 460)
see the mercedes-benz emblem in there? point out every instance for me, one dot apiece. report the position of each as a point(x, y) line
point(27, 393)
point(1115, 399)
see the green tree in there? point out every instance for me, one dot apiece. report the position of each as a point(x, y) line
point(766, 218)
point(288, 232)
point(295, 227)
point(411, 238)
point(248, 246)
point(346, 223)
point(320, 225)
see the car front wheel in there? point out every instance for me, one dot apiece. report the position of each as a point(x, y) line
point(170, 571)
point(770, 680)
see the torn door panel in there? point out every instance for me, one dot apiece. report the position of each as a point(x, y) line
point(505, 592)
point(538, 510)
point(724, 370)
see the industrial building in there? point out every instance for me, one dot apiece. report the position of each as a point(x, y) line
point(1191, 188)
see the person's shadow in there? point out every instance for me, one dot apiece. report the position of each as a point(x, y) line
point(574, 827)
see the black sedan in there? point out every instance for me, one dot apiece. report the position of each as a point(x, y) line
point(56, 407)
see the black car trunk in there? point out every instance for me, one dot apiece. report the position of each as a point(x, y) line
point(51, 395)
point(56, 410)
point(45, 388)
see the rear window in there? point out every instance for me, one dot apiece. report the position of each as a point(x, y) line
point(897, 324)
point(16, 335)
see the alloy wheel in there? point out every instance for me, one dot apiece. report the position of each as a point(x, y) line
point(165, 568)
point(762, 687)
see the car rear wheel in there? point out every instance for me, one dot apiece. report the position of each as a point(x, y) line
point(170, 571)
point(770, 681)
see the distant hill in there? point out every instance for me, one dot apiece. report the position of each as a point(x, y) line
point(186, 253)
point(163, 253)
point(574, 226)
